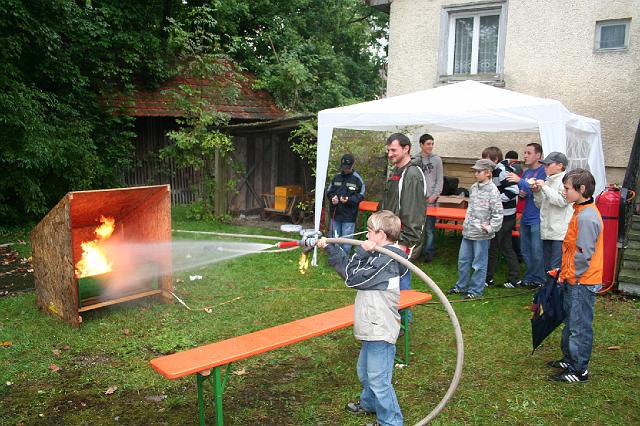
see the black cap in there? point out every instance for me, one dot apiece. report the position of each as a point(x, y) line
point(347, 161)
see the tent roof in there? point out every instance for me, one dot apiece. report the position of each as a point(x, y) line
point(465, 106)
point(468, 106)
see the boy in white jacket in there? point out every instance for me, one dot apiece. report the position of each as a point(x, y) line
point(555, 211)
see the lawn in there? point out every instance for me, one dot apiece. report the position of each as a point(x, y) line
point(100, 374)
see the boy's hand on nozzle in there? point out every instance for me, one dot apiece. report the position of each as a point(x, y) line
point(368, 245)
point(322, 243)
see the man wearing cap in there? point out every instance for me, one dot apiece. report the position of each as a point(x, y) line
point(482, 220)
point(345, 193)
point(555, 211)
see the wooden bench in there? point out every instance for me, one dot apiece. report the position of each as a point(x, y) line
point(214, 356)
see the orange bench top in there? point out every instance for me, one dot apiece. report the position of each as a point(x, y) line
point(224, 352)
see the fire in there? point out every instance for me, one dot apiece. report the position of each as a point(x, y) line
point(303, 263)
point(94, 259)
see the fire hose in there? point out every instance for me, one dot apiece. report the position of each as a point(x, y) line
point(309, 242)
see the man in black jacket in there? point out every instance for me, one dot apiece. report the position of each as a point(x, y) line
point(345, 193)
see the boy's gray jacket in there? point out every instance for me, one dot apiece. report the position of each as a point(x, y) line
point(555, 212)
point(376, 276)
point(485, 208)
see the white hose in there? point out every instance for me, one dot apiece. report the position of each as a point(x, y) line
point(452, 316)
point(424, 277)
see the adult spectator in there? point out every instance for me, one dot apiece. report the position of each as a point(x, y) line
point(555, 211)
point(431, 165)
point(502, 242)
point(530, 239)
point(404, 195)
point(345, 193)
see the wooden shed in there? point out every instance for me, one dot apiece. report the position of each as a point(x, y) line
point(155, 114)
point(141, 214)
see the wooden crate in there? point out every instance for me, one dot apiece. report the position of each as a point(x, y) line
point(284, 192)
point(142, 215)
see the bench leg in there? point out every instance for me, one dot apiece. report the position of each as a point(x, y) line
point(199, 380)
point(218, 395)
point(404, 325)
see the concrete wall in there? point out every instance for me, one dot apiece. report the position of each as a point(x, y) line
point(549, 53)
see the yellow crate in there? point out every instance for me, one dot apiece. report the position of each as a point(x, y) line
point(283, 193)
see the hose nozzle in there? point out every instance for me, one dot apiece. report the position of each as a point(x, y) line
point(309, 240)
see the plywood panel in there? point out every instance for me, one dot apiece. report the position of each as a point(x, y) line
point(56, 293)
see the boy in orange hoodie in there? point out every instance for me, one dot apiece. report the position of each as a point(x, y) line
point(581, 273)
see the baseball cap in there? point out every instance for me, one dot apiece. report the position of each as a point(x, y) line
point(347, 160)
point(556, 157)
point(484, 164)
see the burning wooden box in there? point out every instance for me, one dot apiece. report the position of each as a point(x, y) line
point(99, 248)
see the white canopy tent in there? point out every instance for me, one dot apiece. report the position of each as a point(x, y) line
point(469, 107)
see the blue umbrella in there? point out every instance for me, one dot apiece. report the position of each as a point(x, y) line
point(548, 312)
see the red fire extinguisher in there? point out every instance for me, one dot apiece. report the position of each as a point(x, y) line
point(608, 202)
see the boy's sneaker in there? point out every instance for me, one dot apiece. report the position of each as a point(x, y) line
point(509, 284)
point(561, 363)
point(468, 296)
point(488, 283)
point(454, 290)
point(356, 408)
point(571, 377)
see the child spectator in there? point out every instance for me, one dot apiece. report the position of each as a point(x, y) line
point(516, 164)
point(482, 221)
point(503, 241)
point(377, 321)
point(512, 158)
point(582, 263)
point(555, 211)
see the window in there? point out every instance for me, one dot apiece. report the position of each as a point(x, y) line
point(472, 41)
point(612, 35)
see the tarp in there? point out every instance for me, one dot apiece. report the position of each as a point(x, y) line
point(467, 106)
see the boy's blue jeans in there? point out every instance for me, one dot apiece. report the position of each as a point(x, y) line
point(531, 245)
point(339, 229)
point(577, 335)
point(552, 256)
point(473, 254)
point(429, 235)
point(375, 370)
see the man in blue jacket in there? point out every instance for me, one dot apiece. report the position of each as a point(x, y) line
point(345, 193)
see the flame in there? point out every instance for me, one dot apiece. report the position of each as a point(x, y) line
point(94, 259)
point(303, 263)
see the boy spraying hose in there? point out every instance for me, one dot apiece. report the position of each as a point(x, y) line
point(376, 277)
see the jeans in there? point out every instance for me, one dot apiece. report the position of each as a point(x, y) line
point(552, 256)
point(503, 242)
point(375, 370)
point(531, 245)
point(577, 335)
point(339, 229)
point(428, 249)
point(473, 254)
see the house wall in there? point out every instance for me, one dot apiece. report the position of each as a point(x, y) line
point(549, 53)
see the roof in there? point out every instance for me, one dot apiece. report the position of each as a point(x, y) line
point(251, 104)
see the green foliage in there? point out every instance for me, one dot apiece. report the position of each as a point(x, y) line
point(309, 54)
point(56, 59)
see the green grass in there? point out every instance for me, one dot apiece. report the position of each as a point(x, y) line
point(309, 382)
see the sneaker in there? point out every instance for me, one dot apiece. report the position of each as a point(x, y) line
point(454, 290)
point(488, 283)
point(509, 284)
point(468, 296)
point(571, 377)
point(562, 364)
point(356, 408)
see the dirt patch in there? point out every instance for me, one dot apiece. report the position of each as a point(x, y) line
point(16, 272)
